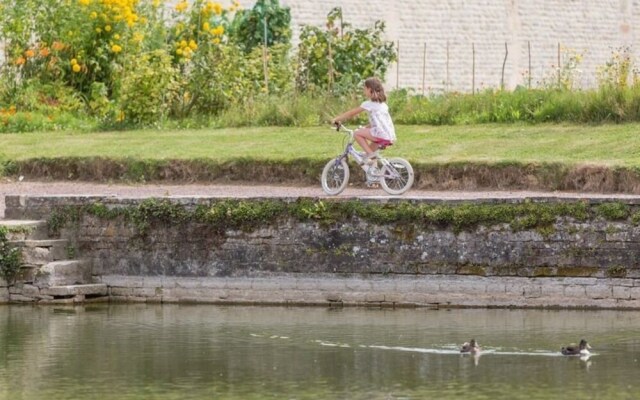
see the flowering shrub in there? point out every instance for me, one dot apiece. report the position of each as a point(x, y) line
point(215, 72)
point(619, 71)
point(74, 41)
point(567, 74)
point(148, 90)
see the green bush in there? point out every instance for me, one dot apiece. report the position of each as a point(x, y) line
point(287, 110)
point(148, 90)
point(248, 26)
point(339, 58)
point(10, 257)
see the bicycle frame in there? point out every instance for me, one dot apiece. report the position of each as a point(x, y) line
point(385, 170)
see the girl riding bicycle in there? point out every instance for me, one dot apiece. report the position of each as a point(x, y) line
point(380, 132)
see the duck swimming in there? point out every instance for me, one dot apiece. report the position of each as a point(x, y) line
point(470, 347)
point(580, 350)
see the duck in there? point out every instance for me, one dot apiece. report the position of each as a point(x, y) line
point(470, 347)
point(580, 350)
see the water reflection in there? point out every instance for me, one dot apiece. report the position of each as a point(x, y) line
point(166, 352)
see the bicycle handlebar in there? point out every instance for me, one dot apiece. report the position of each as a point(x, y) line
point(339, 126)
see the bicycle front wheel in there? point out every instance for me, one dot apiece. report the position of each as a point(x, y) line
point(397, 176)
point(335, 176)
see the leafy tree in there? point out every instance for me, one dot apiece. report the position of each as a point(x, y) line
point(248, 28)
point(340, 57)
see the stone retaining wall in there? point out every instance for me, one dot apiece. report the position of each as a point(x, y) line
point(588, 262)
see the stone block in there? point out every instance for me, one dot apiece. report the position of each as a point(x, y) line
point(30, 290)
point(99, 289)
point(357, 285)
point(120, 291)
point(62, 273)
point(532, 291)
point(600, 291)
point(552, 289)
point(18, 298)
point(621, 292)
point(374, 297)
point(496, 287)
point(123, 280)
point(575, 291)
point(634, 293)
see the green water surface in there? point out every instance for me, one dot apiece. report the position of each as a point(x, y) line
point(210, 352)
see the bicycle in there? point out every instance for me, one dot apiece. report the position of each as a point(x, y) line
point(395, 175)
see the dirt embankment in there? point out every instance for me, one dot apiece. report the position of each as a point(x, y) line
point(304, 172)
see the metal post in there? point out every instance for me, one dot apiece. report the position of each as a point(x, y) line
point(529, 47)
point(424, 67)
point(398, 68)
point(504, 63)
point(473, 69)
point(264, 56)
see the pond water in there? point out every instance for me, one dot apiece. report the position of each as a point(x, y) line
point(210, 352)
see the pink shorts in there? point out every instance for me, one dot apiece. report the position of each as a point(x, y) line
point(382, 143)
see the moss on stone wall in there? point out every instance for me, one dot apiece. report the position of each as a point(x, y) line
point(248, 215)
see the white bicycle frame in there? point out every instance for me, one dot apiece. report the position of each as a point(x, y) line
point(349, 150)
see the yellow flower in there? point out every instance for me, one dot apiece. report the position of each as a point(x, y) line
point(179, 52)
point(120, 116)
point(93, 15)
point(217, 8)
point(116, 37)
point(20, 61)
point(74, 61)
point(218, 31)
point(84, 2)
point(138, 37)
point(29, 53)
point(215, 41)
point(107, 28)
point(116, 49)
point(193, 45)
point(76, 68)
point(44, 52)
point(156, 3)
point(206, 26)
point(182, 6)
point(98, 30)
point(183, 43)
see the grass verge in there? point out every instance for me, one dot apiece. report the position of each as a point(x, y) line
point(542, 157)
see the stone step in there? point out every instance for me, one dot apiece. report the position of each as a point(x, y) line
point(91, 290)
point(63, 273)
point(25, 229)
point(40, 252)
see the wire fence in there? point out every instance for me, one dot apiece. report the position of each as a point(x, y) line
point(448, 66)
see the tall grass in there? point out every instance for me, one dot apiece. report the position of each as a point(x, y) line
point(602, 105)
point(607, 104)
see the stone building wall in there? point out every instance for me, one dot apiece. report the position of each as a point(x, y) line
point(593, 28)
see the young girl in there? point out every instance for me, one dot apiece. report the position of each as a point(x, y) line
point(380, 131)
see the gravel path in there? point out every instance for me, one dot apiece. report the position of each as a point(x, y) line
point(247, 190)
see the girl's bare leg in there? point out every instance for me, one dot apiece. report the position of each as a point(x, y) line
point(363, 137)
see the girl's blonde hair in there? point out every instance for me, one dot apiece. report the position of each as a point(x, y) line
point(377, 91)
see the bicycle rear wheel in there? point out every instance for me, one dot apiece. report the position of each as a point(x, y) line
point(397, 176)
point(335, 176)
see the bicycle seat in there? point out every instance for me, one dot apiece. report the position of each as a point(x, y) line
point(383, 143)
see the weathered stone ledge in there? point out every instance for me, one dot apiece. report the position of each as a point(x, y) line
point(389, 291)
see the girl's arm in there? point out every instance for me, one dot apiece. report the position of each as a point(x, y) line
point(348, 115)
